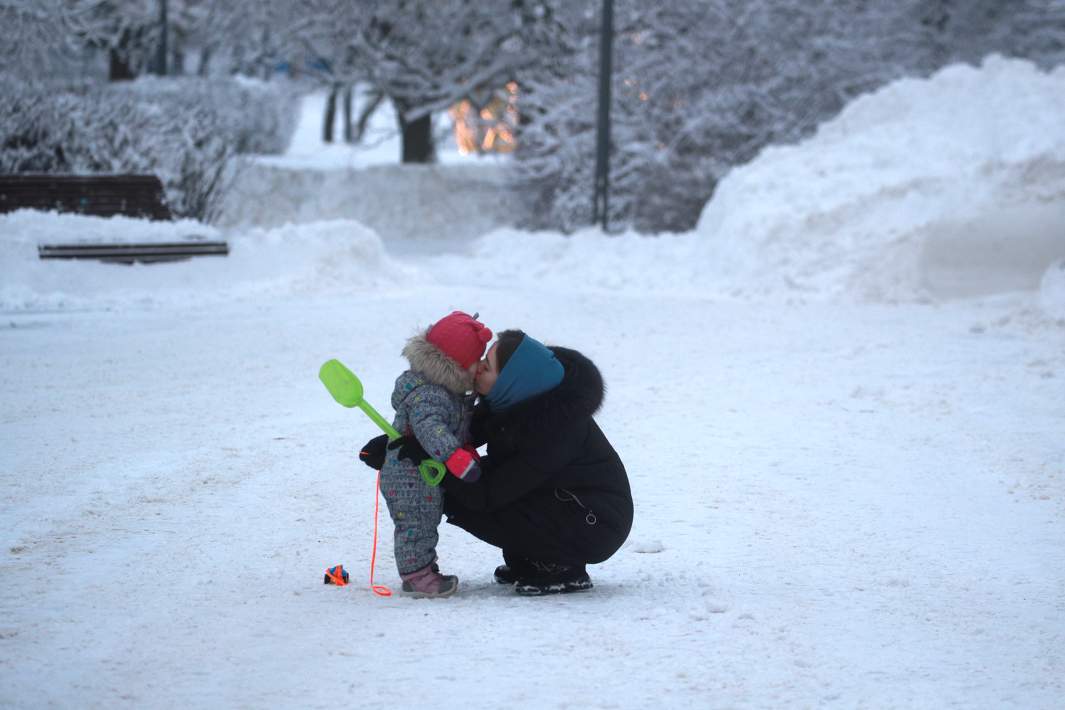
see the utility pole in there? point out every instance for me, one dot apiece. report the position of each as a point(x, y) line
point(164, 30)
point(602, 152)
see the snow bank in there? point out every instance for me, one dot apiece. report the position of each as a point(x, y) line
point(587, 260)
point(396, 201)
point(335, 256)
point(948, 186)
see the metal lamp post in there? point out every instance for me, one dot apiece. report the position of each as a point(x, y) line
point(164, 30)
point(602, 152)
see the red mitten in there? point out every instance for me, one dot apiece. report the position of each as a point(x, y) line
point(463, 464)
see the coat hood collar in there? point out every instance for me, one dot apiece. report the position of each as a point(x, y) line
point(579, 395)
point(437, 368)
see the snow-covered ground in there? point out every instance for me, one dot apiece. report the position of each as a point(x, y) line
point(845, 496)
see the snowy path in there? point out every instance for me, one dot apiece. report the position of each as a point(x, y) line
point(837, 506)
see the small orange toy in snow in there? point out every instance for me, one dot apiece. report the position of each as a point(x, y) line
point(336, 575)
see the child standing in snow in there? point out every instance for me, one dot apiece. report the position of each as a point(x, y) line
point(433, 406)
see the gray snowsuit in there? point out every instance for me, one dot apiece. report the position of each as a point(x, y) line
point(440, 420)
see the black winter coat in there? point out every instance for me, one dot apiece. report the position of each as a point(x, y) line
point(549, 473)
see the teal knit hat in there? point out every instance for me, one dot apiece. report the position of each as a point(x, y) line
point(533, 369)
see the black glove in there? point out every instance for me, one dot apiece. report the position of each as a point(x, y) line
point(409, 449)
point(373, 452)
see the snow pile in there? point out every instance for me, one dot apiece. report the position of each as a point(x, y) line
point(587, 260)
point(949, 186)
point(396, 201)
point(332, 257)
point(946, 187)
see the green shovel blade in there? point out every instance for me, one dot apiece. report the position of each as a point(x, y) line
point(347, 391)
point(341, 383)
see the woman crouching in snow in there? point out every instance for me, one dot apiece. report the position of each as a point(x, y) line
point(553, 494)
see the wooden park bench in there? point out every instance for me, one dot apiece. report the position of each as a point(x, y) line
point(102, 196)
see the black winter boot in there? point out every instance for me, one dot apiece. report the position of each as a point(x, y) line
point(505, 575)
point(512, 569)
point(553, 578)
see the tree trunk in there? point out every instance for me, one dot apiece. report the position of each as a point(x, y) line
point(348, 132)
point(161, 54)
point(417, 139)
point(365, 114)
point(119, 67)
point(330, 115)
point(177, 61)
point(205, 61)
point(269, 60)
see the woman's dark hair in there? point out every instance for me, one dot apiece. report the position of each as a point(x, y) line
point(508, 342)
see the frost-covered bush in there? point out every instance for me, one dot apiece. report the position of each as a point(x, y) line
point(254, 116)
point(183, 130)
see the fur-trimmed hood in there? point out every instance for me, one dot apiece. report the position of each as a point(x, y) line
point(578, 396)
point(437, 368)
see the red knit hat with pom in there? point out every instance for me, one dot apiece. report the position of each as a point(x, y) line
point(461, 337)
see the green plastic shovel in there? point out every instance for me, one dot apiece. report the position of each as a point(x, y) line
point(347, 391)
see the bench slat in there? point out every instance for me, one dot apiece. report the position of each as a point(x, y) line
point(99, 195)
point(103, 196)
point(129, 253)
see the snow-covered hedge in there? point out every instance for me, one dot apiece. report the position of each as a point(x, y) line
point(183, 130)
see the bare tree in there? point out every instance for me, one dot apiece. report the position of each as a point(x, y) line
point(128, 31)
point(33, 37)
point(325, 42)
point(425, 55)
